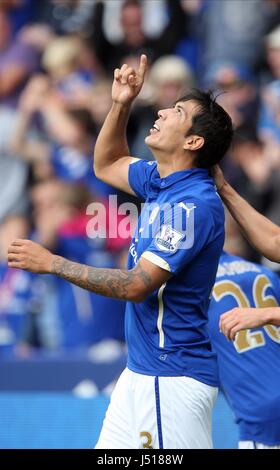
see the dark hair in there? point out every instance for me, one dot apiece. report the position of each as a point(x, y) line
point(212, 123)
point(129, 3)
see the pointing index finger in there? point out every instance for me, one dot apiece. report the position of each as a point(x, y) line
point(143, 66)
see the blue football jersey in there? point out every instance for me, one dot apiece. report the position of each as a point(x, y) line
point(249, 367)
point(181, 229)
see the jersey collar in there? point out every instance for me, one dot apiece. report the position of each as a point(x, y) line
point(183, 175)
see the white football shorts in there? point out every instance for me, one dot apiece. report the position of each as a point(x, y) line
point(149, 412)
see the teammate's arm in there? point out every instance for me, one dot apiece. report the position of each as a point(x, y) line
point(239, 319)
point(133, 285)
point(111, 153)
point(263, 234)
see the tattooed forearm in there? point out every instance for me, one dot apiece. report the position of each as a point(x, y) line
point(118, 283)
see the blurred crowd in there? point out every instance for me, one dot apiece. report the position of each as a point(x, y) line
point(56, 65)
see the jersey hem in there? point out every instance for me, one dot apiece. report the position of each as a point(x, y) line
point(259, 440)
point(172, 374)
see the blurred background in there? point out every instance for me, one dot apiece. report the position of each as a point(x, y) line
point(62, 348)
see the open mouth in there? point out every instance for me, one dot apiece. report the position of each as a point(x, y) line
point(154, 129)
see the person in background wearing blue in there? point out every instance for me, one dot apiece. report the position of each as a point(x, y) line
point(65, 151)
point(249, 366)
point(60, 224)
point(165, 396)
point(18, 291)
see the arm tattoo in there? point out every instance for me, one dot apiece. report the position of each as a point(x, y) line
point(117, 283)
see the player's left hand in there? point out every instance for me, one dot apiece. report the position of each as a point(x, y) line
point(27, 255)
point(239, 319)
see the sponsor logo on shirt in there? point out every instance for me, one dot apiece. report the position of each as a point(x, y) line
point(187, 209)
point(168, 239)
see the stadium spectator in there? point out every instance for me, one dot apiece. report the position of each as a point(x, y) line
point(70, 136)
point(233, 31)
point(15, 289)
point(263, 234)
point(17, 61)
point(248, 169)
point(61, 225)
point(64, 17)
point(268, 125)
point(20, 12)
point(135, 41)
point(71, 67)
point(235, 84)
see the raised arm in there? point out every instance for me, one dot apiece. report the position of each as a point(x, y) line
point(261, 233)
point(111, 153)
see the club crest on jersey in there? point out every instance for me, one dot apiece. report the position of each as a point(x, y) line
point(168, 239)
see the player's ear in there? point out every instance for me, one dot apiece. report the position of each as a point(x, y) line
point(193, 142)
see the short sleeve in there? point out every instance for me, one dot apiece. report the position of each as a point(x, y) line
point(139, 176)
point(182, 233)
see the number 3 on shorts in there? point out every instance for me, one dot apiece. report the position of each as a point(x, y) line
point(148, 443)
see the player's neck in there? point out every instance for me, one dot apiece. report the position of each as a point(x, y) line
point(167, 168)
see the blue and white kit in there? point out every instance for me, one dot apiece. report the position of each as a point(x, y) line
point(181, 230)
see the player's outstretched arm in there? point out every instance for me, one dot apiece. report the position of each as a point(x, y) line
point(111, 153)
point(133, 285)
point(239, 319)
point(263, 234)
